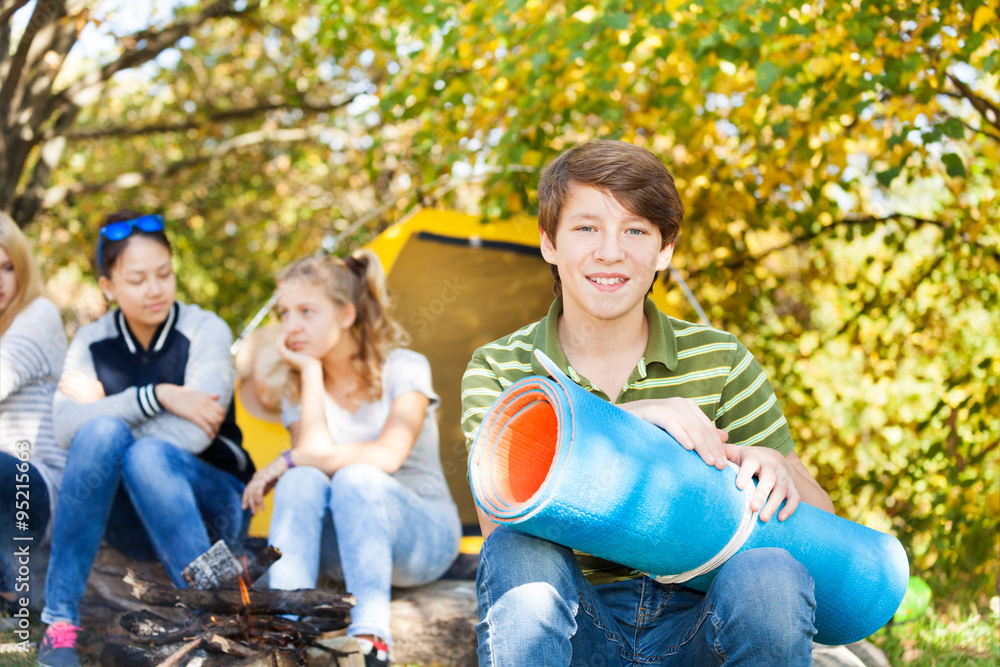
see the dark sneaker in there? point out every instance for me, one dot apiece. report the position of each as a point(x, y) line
point(58, 647)
point(376, 653)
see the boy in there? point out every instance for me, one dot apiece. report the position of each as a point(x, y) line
point(609, 217)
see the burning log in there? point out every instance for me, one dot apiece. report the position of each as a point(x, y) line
point(219, 568)
point(274, 658)
point(226, 618)
point(230, 647)
point(229, 601)
point(178, 655)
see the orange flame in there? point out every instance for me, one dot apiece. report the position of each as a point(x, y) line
point(244, 593)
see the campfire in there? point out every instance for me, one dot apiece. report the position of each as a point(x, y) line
point(226, 622)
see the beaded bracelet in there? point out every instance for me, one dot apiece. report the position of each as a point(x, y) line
point(287, 455)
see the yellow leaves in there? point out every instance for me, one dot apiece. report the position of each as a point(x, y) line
point(983, 15)
point(585, 15)
point(808, 343)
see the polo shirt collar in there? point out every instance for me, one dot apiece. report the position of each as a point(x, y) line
point(660, 348)
point(662, 345)
point(546, 339)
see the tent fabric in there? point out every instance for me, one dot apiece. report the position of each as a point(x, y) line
point(457, 283)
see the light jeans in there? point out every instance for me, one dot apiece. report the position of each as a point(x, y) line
point(367, 529)
point(537, 609)
point(169, 505)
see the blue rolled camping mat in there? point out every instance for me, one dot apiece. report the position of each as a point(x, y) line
point(557, 462)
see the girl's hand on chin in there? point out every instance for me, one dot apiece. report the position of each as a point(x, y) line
point(297, 360)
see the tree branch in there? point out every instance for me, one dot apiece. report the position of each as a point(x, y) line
point(57, 195)
point(210, 118)
point(977, 130)
point(867, 305)
point(45, 14)
point(8, 7)
point(26, 205)
point(807, 237)
point(988, 110)
point(144, 46)
point(45, 61)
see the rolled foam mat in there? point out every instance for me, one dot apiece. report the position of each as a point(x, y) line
point(557, 462)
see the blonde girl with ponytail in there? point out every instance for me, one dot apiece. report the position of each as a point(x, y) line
point(361, 492)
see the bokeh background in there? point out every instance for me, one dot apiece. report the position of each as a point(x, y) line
point(838, 161)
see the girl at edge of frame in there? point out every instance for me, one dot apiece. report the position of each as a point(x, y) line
point(145, 406)
point(32, 350)
point(361, 491)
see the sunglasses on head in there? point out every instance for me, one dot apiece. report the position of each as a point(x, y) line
point(116, 231)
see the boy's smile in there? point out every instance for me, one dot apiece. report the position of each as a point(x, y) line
point(606, 255)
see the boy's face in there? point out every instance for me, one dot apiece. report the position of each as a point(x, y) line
point(606, 255)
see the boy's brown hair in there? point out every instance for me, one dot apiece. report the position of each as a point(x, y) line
point(636, 178)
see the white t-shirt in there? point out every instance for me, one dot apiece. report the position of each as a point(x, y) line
point(404, 371)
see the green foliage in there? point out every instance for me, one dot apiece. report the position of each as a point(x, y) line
point(838, 163)
point(956, 640)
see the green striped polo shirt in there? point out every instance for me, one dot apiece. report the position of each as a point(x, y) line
point(694, 361)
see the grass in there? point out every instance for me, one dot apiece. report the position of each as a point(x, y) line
point(945, 639)
point(950, 639)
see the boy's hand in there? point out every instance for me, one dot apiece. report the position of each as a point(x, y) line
point(775, 482)
point(684, 420)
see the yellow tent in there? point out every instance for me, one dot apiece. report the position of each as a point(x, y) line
point(456, 284)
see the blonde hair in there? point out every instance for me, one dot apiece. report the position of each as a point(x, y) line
point(29, 278)
point(359, 280)
point(259, 365)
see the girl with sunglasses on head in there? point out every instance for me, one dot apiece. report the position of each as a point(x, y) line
point(32, 349)
point(155, 461)
point(361, 490)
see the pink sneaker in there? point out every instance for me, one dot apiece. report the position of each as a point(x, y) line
point(58, 647)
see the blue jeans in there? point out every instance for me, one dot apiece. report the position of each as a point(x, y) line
point(536, 608)
point(367, 529)
point(21, 492)
point(169, 505)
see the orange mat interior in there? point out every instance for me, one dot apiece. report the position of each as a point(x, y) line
point(524, 452)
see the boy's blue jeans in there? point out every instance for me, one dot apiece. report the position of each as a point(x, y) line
point(536, 608)
point(169, 505)
point(367, 530)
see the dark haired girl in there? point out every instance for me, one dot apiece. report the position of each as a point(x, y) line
point(144, 405)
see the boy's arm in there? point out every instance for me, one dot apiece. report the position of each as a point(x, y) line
point(480, 387)
point(686, 423)
point(761, 443)
point(778, 478)
point(748, 414)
